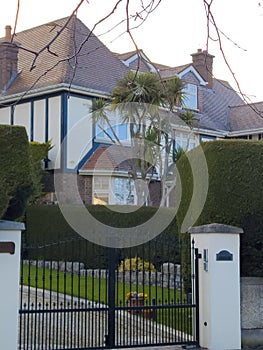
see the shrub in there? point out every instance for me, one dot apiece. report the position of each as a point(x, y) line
point(135, 264)
point(20, 171)
point(16, 184)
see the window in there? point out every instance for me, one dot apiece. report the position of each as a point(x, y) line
point(101, 190)
point(185, 141)
point(124, 191)
point(103, 130)
point(113, 190)
point(190, 96)
point(205, 138)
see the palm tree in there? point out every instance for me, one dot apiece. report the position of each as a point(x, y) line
point(138, 98)
point(138, 87)
point(173, 93)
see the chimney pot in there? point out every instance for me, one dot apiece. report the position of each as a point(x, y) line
point(8, 33)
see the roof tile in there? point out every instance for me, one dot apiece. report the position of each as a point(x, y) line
point(94, 66)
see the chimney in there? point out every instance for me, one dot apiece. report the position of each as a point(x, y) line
point(8, 59)
point(203, 63)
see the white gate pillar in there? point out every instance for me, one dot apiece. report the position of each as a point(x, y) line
point(10, 243)
point(219, 286)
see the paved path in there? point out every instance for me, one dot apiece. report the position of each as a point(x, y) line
point(76, 326)
point(172, 347)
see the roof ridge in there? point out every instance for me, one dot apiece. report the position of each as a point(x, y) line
point(40, 25)
point(248, 104)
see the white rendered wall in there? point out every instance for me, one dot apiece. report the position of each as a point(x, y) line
point(39, 121)
point(22, 116)
point(5, 115)
point(79, 139)
point(219, 292)
point(54, 129)
point(9, 291)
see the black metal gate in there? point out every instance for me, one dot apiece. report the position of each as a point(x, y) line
point(111, 298)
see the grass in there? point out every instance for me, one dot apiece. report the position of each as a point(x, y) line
point(96, 290)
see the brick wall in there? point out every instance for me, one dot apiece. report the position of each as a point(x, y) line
point(8, 59)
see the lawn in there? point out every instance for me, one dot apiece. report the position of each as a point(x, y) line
point(95, 289)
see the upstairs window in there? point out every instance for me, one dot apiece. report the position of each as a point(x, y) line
point(190, 96)
point(107, 132)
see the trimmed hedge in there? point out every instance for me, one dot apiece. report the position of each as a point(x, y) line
point(38, 152)
point(20, 172)
point(15, 182)
point(234, 195)
point(49, 236)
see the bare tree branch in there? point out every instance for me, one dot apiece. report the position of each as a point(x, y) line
point(16, 20)
point(47, 46)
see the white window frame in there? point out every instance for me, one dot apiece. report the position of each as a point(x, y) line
point(100, 191)
point(190, 96)
point(109, 191)
point(117, 123)
point(187, 141)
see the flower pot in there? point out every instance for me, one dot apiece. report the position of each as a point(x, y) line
point(135, 302)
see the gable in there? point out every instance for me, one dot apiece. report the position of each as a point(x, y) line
point(96, 67)
point(138, 60)
point(190, 78)
point(191, 72)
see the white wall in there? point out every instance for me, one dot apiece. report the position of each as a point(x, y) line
point(219, 287)
point(79, 140)
point(22, 116)
point(78, 143)
point(9, 291)
point(5, 115)
point(39, 121)
point(54, 129)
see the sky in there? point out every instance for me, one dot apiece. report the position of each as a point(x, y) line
point(169, 35)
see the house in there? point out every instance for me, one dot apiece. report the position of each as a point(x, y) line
point(50, 75)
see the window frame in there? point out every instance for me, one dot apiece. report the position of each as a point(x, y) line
point(189, 95)
point(109, 192)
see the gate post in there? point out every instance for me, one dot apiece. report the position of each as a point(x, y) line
point(10, 243)
point(219, 286)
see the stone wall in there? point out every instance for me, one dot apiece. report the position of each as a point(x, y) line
point(169, 275)
point(252, 311)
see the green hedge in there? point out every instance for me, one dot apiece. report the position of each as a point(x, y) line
point(49, 236)
point(234, 195)
point(15, 181)
point(20, 171)
point(38, 152)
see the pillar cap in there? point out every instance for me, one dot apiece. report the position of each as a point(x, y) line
point(215, 228)
point(11, 225)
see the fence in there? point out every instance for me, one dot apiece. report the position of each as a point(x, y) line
point(67, 305)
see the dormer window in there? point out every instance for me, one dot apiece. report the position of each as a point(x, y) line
point(190, 96)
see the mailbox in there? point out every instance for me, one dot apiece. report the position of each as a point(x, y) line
point(7, 247)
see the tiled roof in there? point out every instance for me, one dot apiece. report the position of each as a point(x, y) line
point(246, 117)
point(78, 58)
point(170, 72)
point(111, 158)
point(216, 103)
point(144, 64)
point(94, 66)
point(126, 55)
